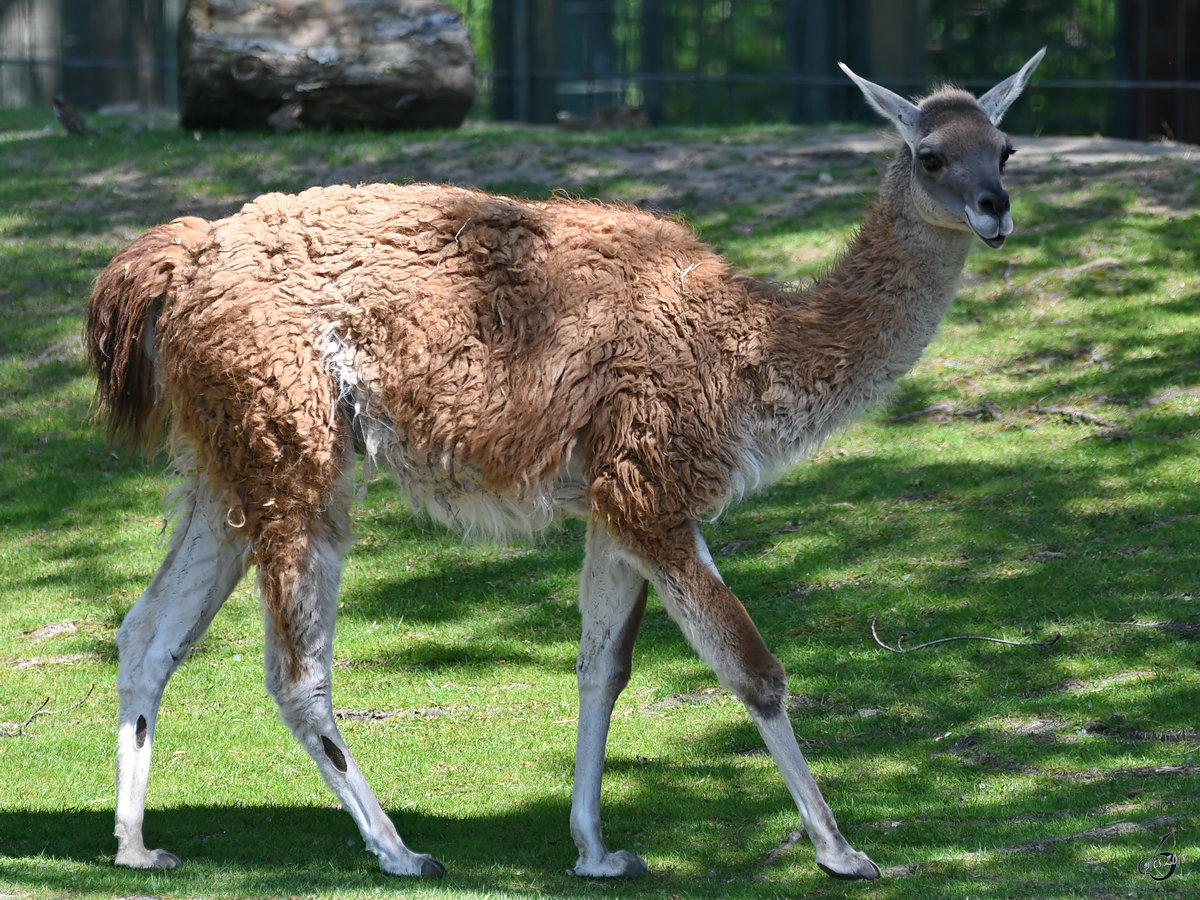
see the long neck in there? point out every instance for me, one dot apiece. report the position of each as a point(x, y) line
point(888, 294)
point(839, 346)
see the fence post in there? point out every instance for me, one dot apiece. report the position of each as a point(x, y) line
point(653, 62)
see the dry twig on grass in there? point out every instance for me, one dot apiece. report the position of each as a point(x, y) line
point(42, 711)
point(986, 410)
point(1073, 415)
point(960, 637)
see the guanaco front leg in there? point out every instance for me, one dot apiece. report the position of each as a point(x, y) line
point(722, 633)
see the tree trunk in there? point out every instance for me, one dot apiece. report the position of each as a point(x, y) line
point(324, 64)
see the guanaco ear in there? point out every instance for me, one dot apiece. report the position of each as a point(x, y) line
point(997, 101)
point(903, 114)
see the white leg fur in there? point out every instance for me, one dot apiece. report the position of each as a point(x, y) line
point(612, 597)
point(833, 852)
point(305, 702)
point(705, 555)
point(202, 567)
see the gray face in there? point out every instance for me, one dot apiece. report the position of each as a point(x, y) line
point(958, 159)
point(957, 151)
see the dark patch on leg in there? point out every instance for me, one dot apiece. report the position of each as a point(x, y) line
point(769, 693)
point(336, 756)
point(140, 733)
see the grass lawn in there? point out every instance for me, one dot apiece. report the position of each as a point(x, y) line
point(1036, 475)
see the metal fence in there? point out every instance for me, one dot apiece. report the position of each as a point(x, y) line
point(96, 51)
point(1118, 67)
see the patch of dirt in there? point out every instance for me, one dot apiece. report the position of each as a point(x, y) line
point(69, 349)
point(1116, 727)
point(1190, 630)
point(1045, 844)
point(62, 659)
point(944, 411)
point(1171, 394)
point(1076, 686)
point(1035, 726)
point(781, 173)
point(50, 630)
point(699, 697)
point(1062, 731)
point(1135, 772)
point(784, 174)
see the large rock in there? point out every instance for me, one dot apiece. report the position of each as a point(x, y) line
point(324, 63)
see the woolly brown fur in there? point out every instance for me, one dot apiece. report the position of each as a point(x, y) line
point(495, 338)
point(499, 341)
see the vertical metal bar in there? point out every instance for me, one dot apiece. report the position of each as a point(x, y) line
point(1143, 55)
point(653, 68)
point(698, 68)
point(522, 77)
point(1180, 126)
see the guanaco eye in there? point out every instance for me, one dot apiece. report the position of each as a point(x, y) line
point(1005, 154)
point(931, 161)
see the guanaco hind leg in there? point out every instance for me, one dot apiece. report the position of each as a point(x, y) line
point(298, 663)
point(205, 561)
point(720, 630)
point(612, 598)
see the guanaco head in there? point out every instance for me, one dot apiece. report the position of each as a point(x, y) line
point(957, 152)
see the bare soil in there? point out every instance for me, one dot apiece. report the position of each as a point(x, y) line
point(779, 173)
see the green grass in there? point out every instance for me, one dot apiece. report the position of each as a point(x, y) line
point(1035, 475)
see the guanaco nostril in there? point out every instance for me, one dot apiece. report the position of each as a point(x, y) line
point(994, 203)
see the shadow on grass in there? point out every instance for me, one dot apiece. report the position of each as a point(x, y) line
point(1026, 544)
point(282, 851)
point(699, 826)
point(57, 485)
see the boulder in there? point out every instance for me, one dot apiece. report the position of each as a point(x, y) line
point(324, 64)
